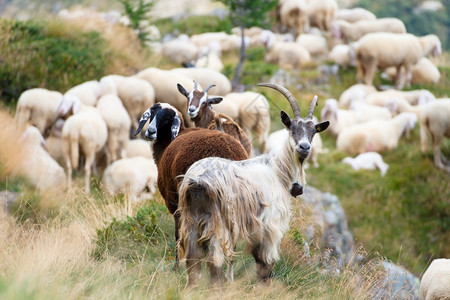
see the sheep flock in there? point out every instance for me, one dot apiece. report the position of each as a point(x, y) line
point(97, 127)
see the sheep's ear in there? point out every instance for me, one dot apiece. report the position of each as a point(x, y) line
point(175, 129)
point(143, 120)
point(322, 126)
point(214, 100)
point(285, 119)
point(182, 90)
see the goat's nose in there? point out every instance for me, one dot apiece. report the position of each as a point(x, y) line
point(305, 146)
point(191, 109)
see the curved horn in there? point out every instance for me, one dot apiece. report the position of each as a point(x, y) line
point(286, 94)
point(195, 84)
point(312, 107)
point(209, 86)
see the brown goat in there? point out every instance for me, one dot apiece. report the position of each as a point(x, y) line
point(199, 109)
point(175, 149)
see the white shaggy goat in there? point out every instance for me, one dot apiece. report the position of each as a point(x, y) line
point(222, 201)
point(378, 136)
point(435, 283)
point(435, 121)
point(367, 161)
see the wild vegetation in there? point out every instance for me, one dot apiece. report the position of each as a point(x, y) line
point(92, 246)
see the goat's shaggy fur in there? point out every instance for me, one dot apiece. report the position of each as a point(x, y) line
point(222, 201)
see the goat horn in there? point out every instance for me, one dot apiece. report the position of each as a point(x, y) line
point(312, 107)
point(209, 86)
point(195, 84)
point(287, 94)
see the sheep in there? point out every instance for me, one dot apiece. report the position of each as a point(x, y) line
point(181, 50)
point(53, 143)
point(136, 94)
point(138, 147)
point(375, 136)
point(340, 54)
point(423, 72)
point(38, 107)
point(41, 170)
point(118, 123)
point(267, 38)
point(165, 85)
point(355, 31)
point(222, 201)
point(293, 15)
point(357, 92)
point(435, 283)
point(204, 76)
point(369, 112)
point(322, 13)
point(199, 109)
point(367, 161)
point(385, 49)
point(354, 14)
point(227, 42)
point(413, 97)
point(315, 44)
point(84, 131)
point(130, 176)
point(435, 121)
point(175, 148)
point(288, 55)
point(209, 57)
point(88, 92)
point(253, 116)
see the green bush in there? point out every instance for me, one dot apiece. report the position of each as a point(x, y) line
point(48, 55)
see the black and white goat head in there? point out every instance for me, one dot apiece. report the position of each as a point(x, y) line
point(198, 101)
point(301, 130)
point(165, 121)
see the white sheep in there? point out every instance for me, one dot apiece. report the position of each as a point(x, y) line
point(118, 123)
point(367, 161)
point(53, 143)
point(138, 147)
point(136, 94)
point(370, 112)
point(435, 283)
point(413, 97)
point(354, 31)
point(357, 92)
point(315, 44)
point(38, 107)
point(322, 13)
point(354, 14)
point(288, 55)
point(181, 51)
point(383, 50)
point(205, 77)
point(435, 121)
point(226, 41)
point(292, 15)
point(130, 176)
point(340, 54)
point(88, 92)
point(423, 72)
point(41, 170)
point(375, 136)
point(210, 57)
point(85, 131)
point(165, 86)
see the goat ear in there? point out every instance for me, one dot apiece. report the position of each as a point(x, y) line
point(285, 119)
point(143, 120)
point(214, 100)
point(322, 126)
point(182, 90)
point(175, 129)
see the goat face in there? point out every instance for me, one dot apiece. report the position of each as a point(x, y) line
point(198, 100)
point(164, 121)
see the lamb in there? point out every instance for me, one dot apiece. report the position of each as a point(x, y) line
point(118, 123)
point(130, 176)
point(367, 161)
point(88, 92)
point(181, 50)
point(84, 131)
point(315, 44)
point(41, 170)
point(357, 92)
point(322, 13)
point(355, 14)
point(293, 15)
point(136, 94)
point(199, 109)
point(204, 76)
point(355, 31)
point(435, 121)
point(384, 50)
point(423, 72)
point(435, 283)
point(176, 148)
point(222, 201)
point(375, 136)
point(165, 85)
point(38, 107)
point(288, 55)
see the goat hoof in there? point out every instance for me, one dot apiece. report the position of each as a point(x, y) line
point(296, 189)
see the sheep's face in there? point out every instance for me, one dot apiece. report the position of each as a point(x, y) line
point(301, 133)
point(198, 101)
point(164, 121)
